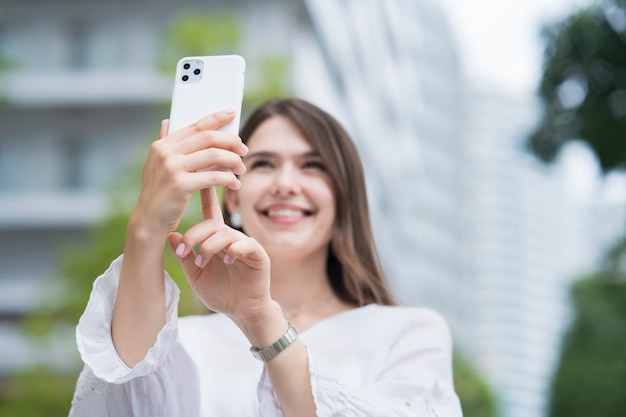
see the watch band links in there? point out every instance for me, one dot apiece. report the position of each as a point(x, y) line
point(275, 348)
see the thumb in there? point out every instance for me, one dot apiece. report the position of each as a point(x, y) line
point(165, 125)
point(213, 121)
point(187, 262)
point(211, 205)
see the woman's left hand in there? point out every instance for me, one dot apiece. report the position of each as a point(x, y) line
point(230, 272)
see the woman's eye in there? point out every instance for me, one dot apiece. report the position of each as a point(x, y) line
point(260, 163)
point(314, 165)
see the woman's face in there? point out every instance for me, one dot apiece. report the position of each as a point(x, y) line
point(286, 199)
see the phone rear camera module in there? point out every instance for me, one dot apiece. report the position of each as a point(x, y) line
point(191, 71)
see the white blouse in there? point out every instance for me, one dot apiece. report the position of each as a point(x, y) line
point(369, 361)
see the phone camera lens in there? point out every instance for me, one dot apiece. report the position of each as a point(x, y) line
point(186, 66)
point(185, 77)
point(196, 71)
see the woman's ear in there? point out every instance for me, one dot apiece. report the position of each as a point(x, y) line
point(230, 200)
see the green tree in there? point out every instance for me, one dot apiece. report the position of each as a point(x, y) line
point(192, 34)
point(46, 391)
point(199, 33)
point(583, 86)
point(477, 399)
point(589, 380)
point(583, 89)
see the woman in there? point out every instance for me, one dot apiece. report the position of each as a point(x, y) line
point(300, 197)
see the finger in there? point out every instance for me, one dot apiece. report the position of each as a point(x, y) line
point(213, 159)
point(211, 122)
point(211, 205)
point(195, 181)
point(187, 261)
point(197, 234)
point(165, 125)
point(248, 251)
point(217, 244)
point(211, 139)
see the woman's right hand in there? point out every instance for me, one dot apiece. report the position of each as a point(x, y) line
point(176, 168)
point(172, 173)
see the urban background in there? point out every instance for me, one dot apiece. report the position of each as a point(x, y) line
point(503, 209)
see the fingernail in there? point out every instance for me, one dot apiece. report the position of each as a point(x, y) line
point(180, 249)
point(243, 168)
point(227, 259)
point(238, 184)
point(228, 112)
point(244, 148)
point(198, 261)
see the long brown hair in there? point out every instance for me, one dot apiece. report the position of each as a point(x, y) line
point(353, 266)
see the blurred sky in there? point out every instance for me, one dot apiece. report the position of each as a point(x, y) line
point(500, 40)
point(500, 46)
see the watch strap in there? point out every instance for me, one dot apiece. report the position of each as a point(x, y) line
point(275, 348)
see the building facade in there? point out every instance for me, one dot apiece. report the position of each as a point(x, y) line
point(389, 70)
point(80, 101)
point(526, 239)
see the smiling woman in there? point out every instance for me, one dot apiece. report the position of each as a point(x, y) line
point(286, 199)
point(304, 251)
point(352, 265)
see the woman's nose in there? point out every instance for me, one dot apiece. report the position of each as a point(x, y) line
point(286, 182)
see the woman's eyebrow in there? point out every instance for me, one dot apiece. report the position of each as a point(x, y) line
point(260, 154)
point(311, 154)
point(273, 155)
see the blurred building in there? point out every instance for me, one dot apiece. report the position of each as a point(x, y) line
point(389, 70)
point(526, 238)
point(80, 103)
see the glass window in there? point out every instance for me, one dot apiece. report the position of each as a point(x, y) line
point(74, 156)
point(78, 42)
point(9, 164)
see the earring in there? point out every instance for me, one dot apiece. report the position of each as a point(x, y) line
point(235, 219)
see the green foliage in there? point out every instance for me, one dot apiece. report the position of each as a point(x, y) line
point(583, 87)
point(476, 397)
point(196, 33)
point(590, 376)
point(82, 263)
point(271, 71)
point(39, 392)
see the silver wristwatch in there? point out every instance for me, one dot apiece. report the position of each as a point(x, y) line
point(274, 349)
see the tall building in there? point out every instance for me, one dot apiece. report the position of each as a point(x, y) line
point(527, 237)
point(389, 71)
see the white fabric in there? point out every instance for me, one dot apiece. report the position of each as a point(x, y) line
point(370, 361)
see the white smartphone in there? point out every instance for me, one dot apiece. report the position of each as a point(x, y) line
point(205, 85)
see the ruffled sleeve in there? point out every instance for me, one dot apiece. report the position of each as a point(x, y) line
point(164, 383)
point(413, 378)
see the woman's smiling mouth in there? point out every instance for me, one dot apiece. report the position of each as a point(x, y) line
point(275, 212)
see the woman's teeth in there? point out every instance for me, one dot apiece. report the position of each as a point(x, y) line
point(285, 213)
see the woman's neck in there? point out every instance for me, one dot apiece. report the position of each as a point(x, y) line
point(302, 289)
point(300, 282)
